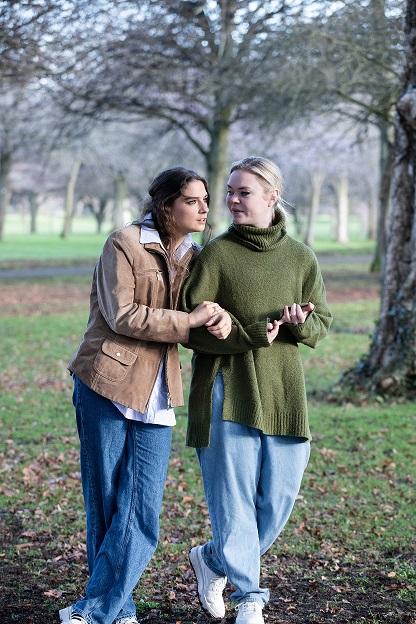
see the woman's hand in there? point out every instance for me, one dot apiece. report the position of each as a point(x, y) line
point(220, 325)
point(203, 313)
point(273, 330)
point(295, 314)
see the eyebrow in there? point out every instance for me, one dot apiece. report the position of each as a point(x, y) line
point(241, 188)
point(193, 197)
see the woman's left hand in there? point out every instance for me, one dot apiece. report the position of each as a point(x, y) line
point(296, 314)
point(220, 325)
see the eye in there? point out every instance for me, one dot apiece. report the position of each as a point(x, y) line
point(244, 193)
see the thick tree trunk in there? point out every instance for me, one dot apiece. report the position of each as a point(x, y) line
point(317, 180)
point(386, 160)
point(69, 198)
point(34, 209)
point(342, 210)
point(5, 166)
point(390, 366)
point(120, 196)
point(217, 165)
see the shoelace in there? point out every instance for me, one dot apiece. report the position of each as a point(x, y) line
point(248, 607)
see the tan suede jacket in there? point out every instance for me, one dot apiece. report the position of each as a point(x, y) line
point(133, 323)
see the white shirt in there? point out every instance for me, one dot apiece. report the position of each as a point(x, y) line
point(158, 411)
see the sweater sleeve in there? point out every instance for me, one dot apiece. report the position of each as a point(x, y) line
point(319, 320)
point(115, 292)
point(204, 284)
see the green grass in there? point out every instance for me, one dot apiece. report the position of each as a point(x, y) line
point(85, 245)
point(352, 528)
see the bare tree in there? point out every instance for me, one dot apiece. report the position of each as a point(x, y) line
point(390, 365)
point(347, 62)
point(199, 66)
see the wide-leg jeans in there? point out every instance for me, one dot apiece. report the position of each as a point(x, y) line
point(251, 481)
point(123, 469)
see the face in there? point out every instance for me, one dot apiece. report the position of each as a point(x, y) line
point(248, 201)
point(190, 210)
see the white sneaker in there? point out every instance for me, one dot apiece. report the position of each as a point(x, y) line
point(67, 617)
point(128, 620)
point(249, 612)
point(210, 585)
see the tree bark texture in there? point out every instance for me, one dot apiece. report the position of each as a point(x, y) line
point(386, 160)
point(217, 165)
point(390, 365)
point(69, 198)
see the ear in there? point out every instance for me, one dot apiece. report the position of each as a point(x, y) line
point(273, 197)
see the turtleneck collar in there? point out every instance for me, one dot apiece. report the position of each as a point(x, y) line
point(260, 239)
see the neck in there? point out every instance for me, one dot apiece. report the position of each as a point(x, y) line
point(176, 240)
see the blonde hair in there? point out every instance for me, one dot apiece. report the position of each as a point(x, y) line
point(269, 175)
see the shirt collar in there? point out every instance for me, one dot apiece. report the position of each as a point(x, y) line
point(149, 234)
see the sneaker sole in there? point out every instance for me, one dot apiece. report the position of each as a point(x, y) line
point(194, 566)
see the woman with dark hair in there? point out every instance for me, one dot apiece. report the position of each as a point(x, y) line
point(126, 383)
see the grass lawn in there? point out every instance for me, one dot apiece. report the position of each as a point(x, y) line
point(346, 555)
point(84, 245)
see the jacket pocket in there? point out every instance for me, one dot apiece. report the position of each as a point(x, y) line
point(148, 283)
point(113, 361)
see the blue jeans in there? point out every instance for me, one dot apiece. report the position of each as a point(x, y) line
point(251, 481)
point(123, 468)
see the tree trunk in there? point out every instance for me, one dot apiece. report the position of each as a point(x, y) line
point(317, 180)
point(34, 209)
point(100, 214)
point(5, 166)
point(217, 166)
point(217, 158)
point(372, 212)
point(120, 195)
point(390, 366)
point(386, 159)
point(342, 210)
point(69, 206)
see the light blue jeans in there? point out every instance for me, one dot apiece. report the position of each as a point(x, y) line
point(123, 469)
point(251, 481)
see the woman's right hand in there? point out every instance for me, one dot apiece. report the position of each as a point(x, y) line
point(203, 313)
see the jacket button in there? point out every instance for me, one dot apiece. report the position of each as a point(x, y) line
point(118, 354)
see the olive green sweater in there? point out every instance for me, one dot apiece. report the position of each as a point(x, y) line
point(253, 273)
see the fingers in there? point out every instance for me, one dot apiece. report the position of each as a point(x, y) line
point(220, 325)
point(296, 314)
point(272, 333)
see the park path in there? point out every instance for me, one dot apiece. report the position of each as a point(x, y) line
point(326, 260)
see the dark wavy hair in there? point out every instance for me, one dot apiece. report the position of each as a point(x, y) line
point(163, 191)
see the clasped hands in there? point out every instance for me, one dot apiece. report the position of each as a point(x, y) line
point(218, 321)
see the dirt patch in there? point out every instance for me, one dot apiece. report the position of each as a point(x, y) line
point(25, 299)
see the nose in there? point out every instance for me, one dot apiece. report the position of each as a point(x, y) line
point(203, 207)
point(233, 197)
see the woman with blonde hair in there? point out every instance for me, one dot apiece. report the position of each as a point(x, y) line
point(247, 406)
